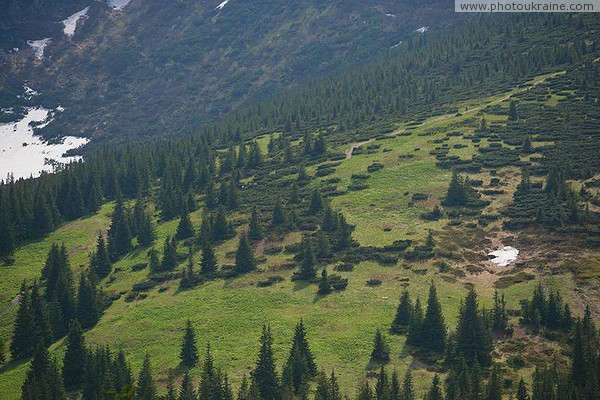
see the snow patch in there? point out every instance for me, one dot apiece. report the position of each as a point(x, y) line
point(117, 4)
point(223, 4)
point(38, 46)
point(422, 29)
point(71, 22)
point(396, 45)
point(504, 256)
point(390, 15)
point(23, 154)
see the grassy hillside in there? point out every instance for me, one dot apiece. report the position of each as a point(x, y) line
point(340, 325)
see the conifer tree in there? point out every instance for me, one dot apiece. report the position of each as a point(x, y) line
point(473, 338)
point(43, 379)
point(403, 313)
point(415, 327)
point(343, 233)
point(408, 391)
point(323, 250)
point(189, 351)
point(278, 217)
point(2, 350)
point(74, 359)
point(499, 317)
point(381, 351)
point(122, 372)
point(265, 375)
point(494, 385)
point(146, 234)
point(244, 255)
point(322, 391)
point(7, 237)
point(146, 389)
point(23, 338)
point(40, 319)
point(232, 196)
point(185, 229)
point(294, 194)
point(153, 261)
point(119, 233)
point(300, 366)
point(435, 391)
point(220, 226)
point(456, 195)
point(324, 283)
point(434, 328)
point(169, 258)
point(208, 265)
point(308, 267)
point(254, 227)
point(87, 310)
point(512, 111)
point(316, 202)
point(188, 277)
point(187, 392)
point(100, 260)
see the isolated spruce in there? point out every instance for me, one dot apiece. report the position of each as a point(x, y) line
point(254, 227)
point(244, 255)
point(300, 366)
point(381, 352)
point(308, 266)
point(169, 258)
point(74, 358)
point(189, 351)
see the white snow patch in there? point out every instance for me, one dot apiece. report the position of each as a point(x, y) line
point(223, 4)
point(504, 256)
point(38, 46)
point(396, 45)
point(29, 92)
point(422, 29)
point(23, 154)
point(117, 4)
point(390, 15)
point(71, 22)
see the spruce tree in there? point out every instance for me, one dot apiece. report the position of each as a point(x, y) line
point(300, 366)
point(23, 338)
point(244, 255)
point(74, 359)
point(415, 327)
point(220, 226)
point(169, 258)
point(100, 260)
point(87, 310)
point(381, 351)
point(456, 195)
point(254, 227)
point(208, 265)
point(185, 229)
point(473, 338)
point(146, 234)
point(435, 391)
point(408, 391)
point(324, 283)
point(278, 217)
point(119, 233)
point(522, 393)
point(188, 277)
point(494, 385)
point(7, 237)
point(316, 202)
point(154, 265)
point(146, 389)
point(403, 314)
point(308, 267)
point(265, 375)
point(187, 392)
point(323, 250)
point(189, 351)
point(40, 319)
point(43, 379)
point(433, 328)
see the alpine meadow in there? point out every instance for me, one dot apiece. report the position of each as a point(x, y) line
point(280, 200)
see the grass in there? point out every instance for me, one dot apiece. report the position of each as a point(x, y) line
point(230, 313)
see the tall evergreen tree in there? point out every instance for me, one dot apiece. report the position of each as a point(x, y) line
point(308, 267)
point(208, 265)
point(187, 392)
point(74, 359)
point(7, 236)
point(254, 227)
point(435, 391)
point(185, 229)
point(146, 389)
point(415, 327)
point(23, 338)
point(408, 391)
point(434, 328)
point(265, 375)
point(146, 234)
point(403, 313)
point(522, 393)
point(87, 310)
point(316, 202)
point(43, 379)
point(473, 338)
point(220, 226)
point(278, 217)
point(381, 351)
point(244, 255)
point(169, 258)
point(189, 351)
point(100, 260)
point(300, 366)
point(324, 283)
point(119, 233)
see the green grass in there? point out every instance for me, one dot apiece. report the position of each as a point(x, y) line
point(229, 313)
